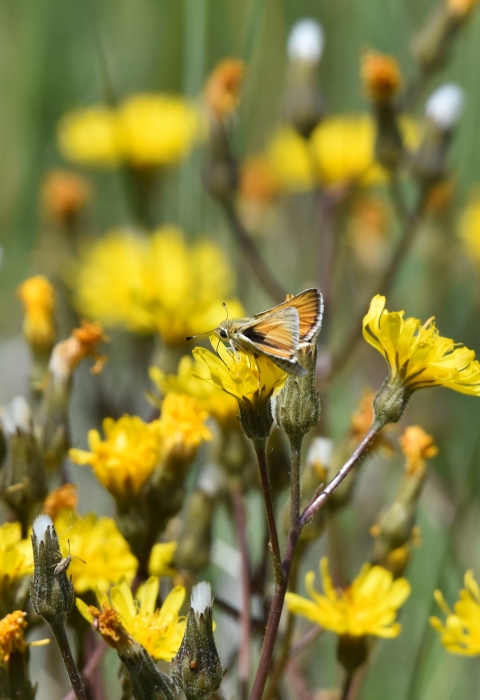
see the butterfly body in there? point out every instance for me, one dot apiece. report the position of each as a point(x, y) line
point(278, 332)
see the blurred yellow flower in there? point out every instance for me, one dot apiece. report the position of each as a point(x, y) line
point(161, 559)
point(11, 635)
point(222, 89)
point(238, 373)
point(145, 130)
point(381, 75)
point(367, 607)
point(156, 284)
point(62, 498)
point(182, 426)
point(340, 150)
point(470, 227)
point(159, 631)
point(417, 446)
point(460, 633)
point(417, 355)
point(83, 343)
point(107, 558)
point(64, 194)
point(16, 556)
point(38, 298)
point(210, 398)
point(126, 458)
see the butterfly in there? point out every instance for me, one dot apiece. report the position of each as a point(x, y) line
point(278, 332)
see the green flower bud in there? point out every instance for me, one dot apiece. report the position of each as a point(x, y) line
point(147, 682)
point(298, 406)
point(196, 669)
point(51, 591)
point(391, 401)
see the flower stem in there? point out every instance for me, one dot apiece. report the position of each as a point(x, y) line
point(357, 455)
point(244, 652)
point(64, 646)
point(260, 449)
point(90, 667)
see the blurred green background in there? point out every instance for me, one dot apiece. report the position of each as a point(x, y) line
point(50, 62)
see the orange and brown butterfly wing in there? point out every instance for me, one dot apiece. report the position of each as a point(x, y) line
point(309, 305)
point(275, 334)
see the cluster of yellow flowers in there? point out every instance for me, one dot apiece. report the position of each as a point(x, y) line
point(157, 284)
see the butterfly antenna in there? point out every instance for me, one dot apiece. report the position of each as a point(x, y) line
point(226, 310)
point(191, 337)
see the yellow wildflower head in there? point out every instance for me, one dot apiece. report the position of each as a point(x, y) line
point(156, 130)
point(418, 356)
point(209, 398)
point(64, 194)
point(161, 559)
point(288, 156)
point(158, 630)
point(107, 558)
point(16, 557)
point(258, 181)
point(470, 226)
point(83, 343)
point(417, 446)
point(153, 284)
point(11, 635)
point(381, 76)
point(63, 498)
point(222, 89)
point(90, 136)
point(460, 633)
point(126, 458)
point(367, 607)
point(38, 298)
point(108, 624)
point(182, 426)
point(251, 380)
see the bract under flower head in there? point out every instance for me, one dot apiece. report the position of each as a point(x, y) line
point(158, 630)
point(209, 397)
point(417, 355)
point(238, 373)
point(16, 558)
point(159, 283)
point(126, 458)
point(367, 607)
point(107, 558)
point(460, 633)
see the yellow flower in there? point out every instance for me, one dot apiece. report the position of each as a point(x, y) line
point(159, 631)
point(470, 226)
point(64, 194)
point(417, 446)
point(38, 298)
point(90, 136)
point(418, 356)
point(161, 559)
point(222, 89)
point(16, 556)
point(288, 155)
point(156, 129)
point(145, 130)
point(460, 633)
point(182, 426)
point(367, 607)
point(107, 558)
point(155, 284)
point(126, 458)
point(12, 628)
point(210, 398)
point(238, 373)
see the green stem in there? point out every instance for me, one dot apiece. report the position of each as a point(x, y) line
point(260, 449)
point(64, 646)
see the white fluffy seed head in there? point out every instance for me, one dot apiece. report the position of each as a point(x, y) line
point(17, 417)
point(40, 525)
point(320, 451)
point(445, 106)
point(201, 597)
point(306, 41)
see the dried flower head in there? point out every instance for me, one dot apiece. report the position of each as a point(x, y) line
point(83, 343)
point(38, 298)
point(381, 76)
point(417, 446)
point(64, 195)
point(222, 90)
point(62, 498)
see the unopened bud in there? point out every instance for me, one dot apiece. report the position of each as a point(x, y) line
point(196, 669)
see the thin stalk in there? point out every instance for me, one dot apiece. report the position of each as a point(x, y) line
point(384, 285)
point(357, 455)
point(64, 646)
point(245, 625)
point(259, 266)
point(90, 667)
point(347, 686)
point(260, 445)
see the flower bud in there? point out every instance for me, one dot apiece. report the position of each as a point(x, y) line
point(196, 669)
point(352, 652)
point(391, 401)
point(51, 591)
point(298, 406)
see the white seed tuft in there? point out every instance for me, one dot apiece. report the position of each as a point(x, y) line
point(306, 41)
point(201, 597)
point(40, 525)
point(320, 451)
point(17, 417)
point(445, 106)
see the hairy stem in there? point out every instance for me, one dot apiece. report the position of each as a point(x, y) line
point(260, 449)
point(64, 646)
point(244, 652)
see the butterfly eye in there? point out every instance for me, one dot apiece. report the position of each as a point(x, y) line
point(223, 333)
